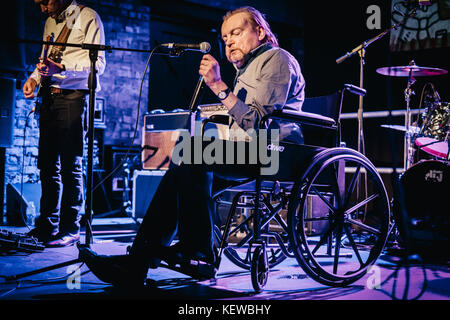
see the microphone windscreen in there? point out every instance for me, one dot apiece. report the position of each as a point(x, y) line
point(205, 47)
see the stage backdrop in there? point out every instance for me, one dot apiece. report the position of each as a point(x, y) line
point(428, 29)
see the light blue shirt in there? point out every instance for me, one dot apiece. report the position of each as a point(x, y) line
point(270, 80)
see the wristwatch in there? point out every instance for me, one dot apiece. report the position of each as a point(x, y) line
point(222, 95)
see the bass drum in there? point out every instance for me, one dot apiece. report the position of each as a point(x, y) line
point(425, 187)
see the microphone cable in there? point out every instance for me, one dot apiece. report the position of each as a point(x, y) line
point(24, 220)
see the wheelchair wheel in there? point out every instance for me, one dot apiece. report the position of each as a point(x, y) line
point(240, 235)
point(259, 268)
point(338, 227)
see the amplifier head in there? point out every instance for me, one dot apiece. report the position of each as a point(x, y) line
point(206, 111)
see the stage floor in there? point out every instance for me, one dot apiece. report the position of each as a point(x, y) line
point(287, 281)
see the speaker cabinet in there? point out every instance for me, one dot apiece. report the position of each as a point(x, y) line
point(162, 130)
point(7, 107)
point(17, 203)
point(145, 184)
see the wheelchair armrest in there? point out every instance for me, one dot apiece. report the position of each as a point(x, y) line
point(300, 117)
point(223, 119)
point(219, 119)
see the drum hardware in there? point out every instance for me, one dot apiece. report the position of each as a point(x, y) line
point(410, 71)
point(412, 129)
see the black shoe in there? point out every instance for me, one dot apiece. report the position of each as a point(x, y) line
point(119, 270)
point(42, 235)
point(64, 240)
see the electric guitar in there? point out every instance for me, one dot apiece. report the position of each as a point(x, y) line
point(44, 84)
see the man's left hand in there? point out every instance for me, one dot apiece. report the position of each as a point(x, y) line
point(49, 68)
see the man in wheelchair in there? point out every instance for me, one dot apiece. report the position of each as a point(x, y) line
point(268, 78)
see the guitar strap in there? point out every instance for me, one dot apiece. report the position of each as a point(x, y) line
point(56, 52)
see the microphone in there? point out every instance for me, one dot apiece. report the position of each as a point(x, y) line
point(202, 47)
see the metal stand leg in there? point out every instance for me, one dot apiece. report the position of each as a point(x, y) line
point(30, 273)
point(408, 148)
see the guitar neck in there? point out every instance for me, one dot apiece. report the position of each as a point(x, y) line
point(45, 81)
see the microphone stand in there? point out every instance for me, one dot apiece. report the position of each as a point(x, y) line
point(192, 105)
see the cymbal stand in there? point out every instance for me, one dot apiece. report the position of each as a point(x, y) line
point(408, 153)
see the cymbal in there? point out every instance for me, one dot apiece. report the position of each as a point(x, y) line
point(412, 129)
point(416, 71)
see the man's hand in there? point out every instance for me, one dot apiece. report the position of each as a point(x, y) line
point(28, 88)
point(210, 71)
point(49, 68)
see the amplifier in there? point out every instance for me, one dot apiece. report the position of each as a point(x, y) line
point(145, 184)
point(160, 134)
point(183, 119)
point(162, 129)
point(211, 129)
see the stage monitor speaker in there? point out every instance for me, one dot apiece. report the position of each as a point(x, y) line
point(17, 204)
point(145, 184)
point(7, 107)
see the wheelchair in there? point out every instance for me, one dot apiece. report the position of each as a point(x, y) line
point(327, 206)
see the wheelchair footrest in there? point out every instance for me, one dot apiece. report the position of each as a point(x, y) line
point(194, 269)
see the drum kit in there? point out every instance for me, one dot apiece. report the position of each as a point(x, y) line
point(425, 182)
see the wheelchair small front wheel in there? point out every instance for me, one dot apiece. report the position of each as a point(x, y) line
point(259, 268)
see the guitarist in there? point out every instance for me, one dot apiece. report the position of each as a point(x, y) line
point(63, 80)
